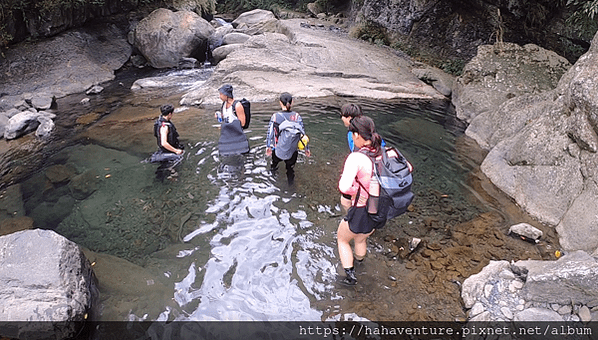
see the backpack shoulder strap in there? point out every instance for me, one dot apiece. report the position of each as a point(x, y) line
point(373, 168)
point(234, 107)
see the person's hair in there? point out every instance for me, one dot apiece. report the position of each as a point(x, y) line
point(351, 110)
point(286, 99)
point(366, 128)
point(166, 109)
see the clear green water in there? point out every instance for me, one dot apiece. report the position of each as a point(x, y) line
point(226, 239)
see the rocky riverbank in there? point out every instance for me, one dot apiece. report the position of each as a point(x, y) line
point(309, 61)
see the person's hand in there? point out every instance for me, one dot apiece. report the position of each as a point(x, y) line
point(178, 151)
point(308, 153)
point(268, 151)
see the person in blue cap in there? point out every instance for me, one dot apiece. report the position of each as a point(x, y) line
point(228, 113)
point(232, 118)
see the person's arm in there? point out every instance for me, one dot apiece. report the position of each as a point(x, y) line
point(307, 150)
point(164, 141)
point(270, 136)
point(347, 183)
point(240, 111)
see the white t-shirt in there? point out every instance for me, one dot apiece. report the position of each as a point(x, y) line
point(227, 114)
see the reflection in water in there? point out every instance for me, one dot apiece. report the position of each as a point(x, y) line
point(231, 241)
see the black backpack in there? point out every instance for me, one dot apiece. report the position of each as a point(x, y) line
point(247, 108)
point(394, 176)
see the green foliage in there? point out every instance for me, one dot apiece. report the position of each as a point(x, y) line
point(583, 19)
point(454, 67)
point(372, 32)
point(238, 6)
point(588, 8)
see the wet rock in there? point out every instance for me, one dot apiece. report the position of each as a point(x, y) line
point(3, 123)
point(475, 285)
point(21, 124)
point(96, 89)
point(505, 68)
point(216, 39)
point(48, 215)
point(60, 174)
point(571, 279)
point(253, 17)
point(187, 63)
point(529, 130)
point(11, 202)
point(440, 80)
point(222, 52)
point(85, 184)
point(42, 101)
point(548, 294)
point(584, 314)
point(537, 314)
point(12, 225)
point(165, 37)
point(526, 230)
point(72, 61)
point(283, 47)
point(235, 38)
point(45, 278)
point(46, 125)
point(507, 313)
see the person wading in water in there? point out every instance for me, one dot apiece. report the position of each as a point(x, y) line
point(355, 181)
point(285, 132)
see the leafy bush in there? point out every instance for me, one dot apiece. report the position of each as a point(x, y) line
point(370, 31)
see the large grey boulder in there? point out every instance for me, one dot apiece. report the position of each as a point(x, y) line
point(217, 38)
point(165, 37)
point(572, 279)
point(65, 64)
point(503, 71)
point(543, 151)
point(235, 38)
point(533, 290)
point(44, 277)
point(253, 17)
point(221, 52)
point(308, 63)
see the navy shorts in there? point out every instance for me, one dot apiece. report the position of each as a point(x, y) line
point(360, 222)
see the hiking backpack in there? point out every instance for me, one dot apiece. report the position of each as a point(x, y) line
point(247, 108)
point(289, 135)
point(394, 175)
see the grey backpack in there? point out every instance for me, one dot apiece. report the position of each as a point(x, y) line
point(289, 134)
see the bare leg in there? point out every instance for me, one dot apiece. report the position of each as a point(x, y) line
point(344, 236)
point(361, 245)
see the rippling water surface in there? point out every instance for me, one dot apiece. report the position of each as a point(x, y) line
point(222, 239)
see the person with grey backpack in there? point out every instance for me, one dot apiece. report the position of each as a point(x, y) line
point(285, 132)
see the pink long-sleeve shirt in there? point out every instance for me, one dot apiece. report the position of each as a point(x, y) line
point(358, 167)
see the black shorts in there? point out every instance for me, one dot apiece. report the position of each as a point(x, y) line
point(360, 222)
